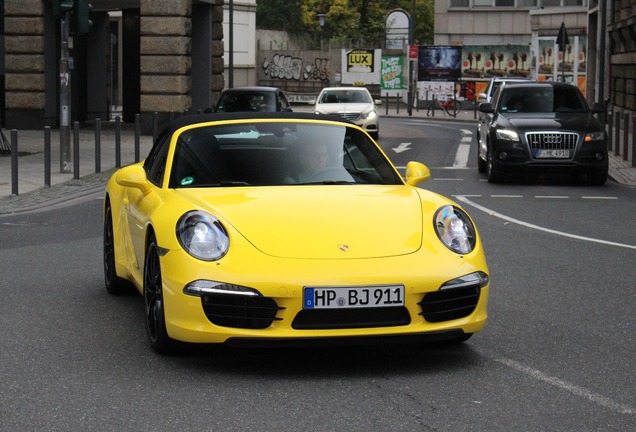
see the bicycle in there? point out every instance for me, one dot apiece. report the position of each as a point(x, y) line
point(451, 106)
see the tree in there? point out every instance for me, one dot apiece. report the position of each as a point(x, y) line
point(346, 20)
point(280, 15)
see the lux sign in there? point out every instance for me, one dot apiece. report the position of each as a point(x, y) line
point(360, 61)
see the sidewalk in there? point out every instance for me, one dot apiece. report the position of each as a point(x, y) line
point(33, 194)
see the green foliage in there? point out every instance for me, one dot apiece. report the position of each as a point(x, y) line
point(280, 15)
point(352, 20)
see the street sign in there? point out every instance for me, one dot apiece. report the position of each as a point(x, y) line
point(413, 50)
point(562, 38)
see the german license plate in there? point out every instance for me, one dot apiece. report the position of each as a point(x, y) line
point(559, 154)
point(353, 297)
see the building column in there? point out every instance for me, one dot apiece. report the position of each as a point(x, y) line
point(165, 55)
point(24, 63)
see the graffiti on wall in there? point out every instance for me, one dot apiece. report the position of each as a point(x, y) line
point(287, 67)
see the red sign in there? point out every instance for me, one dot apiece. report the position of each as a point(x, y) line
point(413, 49)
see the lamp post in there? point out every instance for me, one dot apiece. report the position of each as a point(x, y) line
point(321, 21)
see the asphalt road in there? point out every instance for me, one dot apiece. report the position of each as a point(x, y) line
point(558, 353)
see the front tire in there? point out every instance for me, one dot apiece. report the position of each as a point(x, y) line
point(491, 175)
point(114, 284)
point(598, 179)
point(153, 301)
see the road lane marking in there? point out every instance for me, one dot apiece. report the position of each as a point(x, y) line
point(402, 147)
point(540, 228)
point(461, 157)
point(552, 196)
point(600, 197)
point(564, 385)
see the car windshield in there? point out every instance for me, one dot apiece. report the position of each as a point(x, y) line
point(541, 100)
point(266, 153)
point(246, 102)
point(345, 96)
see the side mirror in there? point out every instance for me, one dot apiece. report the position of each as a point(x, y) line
point(416, 173)
point(597, 108)
point(481, 97)
point(133, 176)
point(377, 101)
point(487, 108)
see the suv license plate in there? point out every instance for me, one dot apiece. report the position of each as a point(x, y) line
point(353, 297)
point(560, 154)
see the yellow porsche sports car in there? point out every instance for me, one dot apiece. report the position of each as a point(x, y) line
point(288, 227)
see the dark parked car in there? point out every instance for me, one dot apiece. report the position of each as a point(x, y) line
point(545, 127)
point(250, 99)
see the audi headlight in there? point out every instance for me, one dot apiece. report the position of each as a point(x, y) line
point(455, 229)
point(201, 235)
point(507, 134)
point(594, 136)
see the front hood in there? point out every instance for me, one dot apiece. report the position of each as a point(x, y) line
point(550, 121)
point(339, 108)
point(319, 222)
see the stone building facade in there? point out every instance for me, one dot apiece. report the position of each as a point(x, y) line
point(169, 55)
point(621, 26)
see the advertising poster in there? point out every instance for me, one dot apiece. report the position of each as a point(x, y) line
point(441, 90)
point(571, 64)
point(391, 73)
point(496, 61)
point(360, 60)
point(439, 63)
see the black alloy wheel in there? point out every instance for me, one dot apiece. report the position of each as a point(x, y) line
point(153, 301)
point(598, 179)
point(491, 175)
point(114, 284)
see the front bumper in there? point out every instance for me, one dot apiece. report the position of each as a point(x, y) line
point(278, 314)
point(515, 157)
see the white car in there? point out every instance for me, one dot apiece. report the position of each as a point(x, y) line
point(494, 84)
point(353, 103)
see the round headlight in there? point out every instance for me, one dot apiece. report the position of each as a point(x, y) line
point(202, 236)
point(455, 229)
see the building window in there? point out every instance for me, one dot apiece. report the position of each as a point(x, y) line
point(517, 3)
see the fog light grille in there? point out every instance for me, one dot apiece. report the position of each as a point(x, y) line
point(240, 311)
point(449, 304)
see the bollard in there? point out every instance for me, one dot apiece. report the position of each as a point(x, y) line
point(155, 126)
point(76, 159)
point(634, 141)
point(98, 145)
point(617, 136)
point(47, 156)
point(387, 103)
point(397, 105)
point(118, 142)
point(610, 130)
point(625, 136)
point(137, 136)
point(14, 161)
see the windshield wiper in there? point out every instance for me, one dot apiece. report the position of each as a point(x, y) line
point(224, 183)
point(330, 182)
